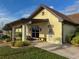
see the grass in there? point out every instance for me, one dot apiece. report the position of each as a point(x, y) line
point(27, 53)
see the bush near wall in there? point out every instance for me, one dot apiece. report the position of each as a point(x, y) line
point(26, 43)
point(19, 43)
point(75, 40)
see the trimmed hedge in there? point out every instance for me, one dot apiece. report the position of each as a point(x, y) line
point(19, 43)
point(26, 43)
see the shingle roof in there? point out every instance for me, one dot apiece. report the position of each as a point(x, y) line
point(74, 18)
point(23, 21)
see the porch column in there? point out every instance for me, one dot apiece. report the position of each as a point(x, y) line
point(23, 33)
point(27, 30)
point(13, 33)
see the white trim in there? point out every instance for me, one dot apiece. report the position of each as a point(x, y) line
point(23, 33)
point(13, 33)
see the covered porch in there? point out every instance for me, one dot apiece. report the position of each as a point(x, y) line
point(28, 28)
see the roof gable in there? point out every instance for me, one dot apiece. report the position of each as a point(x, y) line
point(54, 12)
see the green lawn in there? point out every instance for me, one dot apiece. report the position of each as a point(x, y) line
point(27, 53)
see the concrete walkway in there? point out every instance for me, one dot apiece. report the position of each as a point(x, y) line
point(64, 50)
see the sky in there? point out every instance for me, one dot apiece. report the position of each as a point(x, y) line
point(11, 10)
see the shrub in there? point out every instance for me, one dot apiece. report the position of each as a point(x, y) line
point(75, 41)
point(5, 37)
point(18, 43)
point(77, 33)
point(26, 43)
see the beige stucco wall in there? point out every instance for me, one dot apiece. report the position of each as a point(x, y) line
point(67, 29)
point(56, 26)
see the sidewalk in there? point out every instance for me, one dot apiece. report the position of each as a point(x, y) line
point(64, 50)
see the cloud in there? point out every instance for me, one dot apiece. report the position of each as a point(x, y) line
point(52, 7)
point(22, 13)
point(77, 1)
point(72, 8)
point(5, 17)
point(26, 12)
point(25, 15)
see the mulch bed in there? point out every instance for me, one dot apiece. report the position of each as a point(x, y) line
point(1, 42)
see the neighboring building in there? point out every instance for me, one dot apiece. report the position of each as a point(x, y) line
point(1, 33)
point(44, 23)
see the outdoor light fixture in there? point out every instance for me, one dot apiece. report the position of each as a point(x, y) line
point(49, 26)
point(43, 13)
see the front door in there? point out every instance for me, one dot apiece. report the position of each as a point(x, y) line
point(35, 31)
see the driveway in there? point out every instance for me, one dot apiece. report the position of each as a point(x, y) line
point(63, 50)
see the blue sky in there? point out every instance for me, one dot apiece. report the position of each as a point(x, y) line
point(11, 10)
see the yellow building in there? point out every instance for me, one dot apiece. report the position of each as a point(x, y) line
point(45, 24)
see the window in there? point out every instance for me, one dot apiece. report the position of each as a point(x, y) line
point(42, 13)
point(50, 29)
point(35, 31)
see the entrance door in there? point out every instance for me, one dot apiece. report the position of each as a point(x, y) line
point(35, 31)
